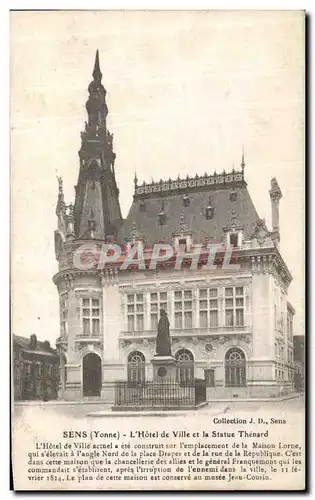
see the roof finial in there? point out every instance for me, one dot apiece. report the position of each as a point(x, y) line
point(97, 75)
point(60, 184)
point(135, 180)
point(243, 158)
point(61, 202)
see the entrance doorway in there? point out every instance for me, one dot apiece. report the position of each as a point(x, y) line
point(92, 375)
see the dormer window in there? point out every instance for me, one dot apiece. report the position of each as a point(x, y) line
point(186, 200)
point(233, 195)
point(182, 244)
point(142, 206)
point(233, 239)
point(162, 216)
point(209, 210)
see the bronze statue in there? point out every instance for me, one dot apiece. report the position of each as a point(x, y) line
point(163, 341)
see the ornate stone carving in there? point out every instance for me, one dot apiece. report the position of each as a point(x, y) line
point(210, 350)
point(110, 276)
point(125, 343)
point(260, 233)
point(189, 182)
point(263, 264)
point(69, 281)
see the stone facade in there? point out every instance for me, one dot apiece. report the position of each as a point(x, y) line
point(35, 369)
point(228, 325)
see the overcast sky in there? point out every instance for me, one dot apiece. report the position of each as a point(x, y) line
point(185, 91)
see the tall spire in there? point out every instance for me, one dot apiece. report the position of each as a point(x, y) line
point(96, 190)
point(97, 74)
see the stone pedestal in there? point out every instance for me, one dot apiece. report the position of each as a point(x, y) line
point(164, 368)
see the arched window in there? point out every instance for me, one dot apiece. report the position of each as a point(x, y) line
point(136, 367)
point(235, 368)
point(185, 366)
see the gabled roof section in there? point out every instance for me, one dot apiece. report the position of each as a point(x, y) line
point(226, 193)
point(41, 347)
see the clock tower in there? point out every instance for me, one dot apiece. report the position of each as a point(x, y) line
point(94, 218)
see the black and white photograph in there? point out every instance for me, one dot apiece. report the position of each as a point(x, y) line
point(158, 250)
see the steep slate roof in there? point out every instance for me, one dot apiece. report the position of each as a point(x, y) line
point(146, 222)
point(41, 347)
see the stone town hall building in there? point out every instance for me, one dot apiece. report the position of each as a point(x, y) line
point(231, 326)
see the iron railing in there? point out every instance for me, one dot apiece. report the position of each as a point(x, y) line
point(164, 394)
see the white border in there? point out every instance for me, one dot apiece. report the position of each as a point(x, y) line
point(5, 6)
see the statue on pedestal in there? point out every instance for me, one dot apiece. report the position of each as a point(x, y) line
point(163, 341)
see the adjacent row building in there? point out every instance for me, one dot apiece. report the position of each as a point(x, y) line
point(35, 369)
point(230, 325)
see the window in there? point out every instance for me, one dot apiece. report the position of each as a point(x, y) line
point(235, 368)
point(63, 315)
point(135, 311)
point(158, 301)
point(233, 239)
point(233, 195)
point(186, 200)
point(290, 327)
point(185, 366)
point(208, 308)
point(136, 367)
point(209, 210)
point(36, 369)
point(183, 309)
point(91, 316)
point(182, 245)
point(234, 306)
point(142, 206)
point(209, 377)
point(27, 367)
point(162, 215)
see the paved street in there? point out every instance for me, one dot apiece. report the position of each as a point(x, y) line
point(291, 405)
point(81, 410)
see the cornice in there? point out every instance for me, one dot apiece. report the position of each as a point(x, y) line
point(198, 182)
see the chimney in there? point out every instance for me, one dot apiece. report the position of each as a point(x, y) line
point(275, 197)
point(33, 341)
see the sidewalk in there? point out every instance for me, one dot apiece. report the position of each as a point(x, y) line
point(206, 408)
point(58, 402)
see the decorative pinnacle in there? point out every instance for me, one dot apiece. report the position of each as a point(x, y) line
point(275, 191)
point(243, 158)
point(97, 75)
point(135, 180)
point(60, 185)
point(182, 219)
